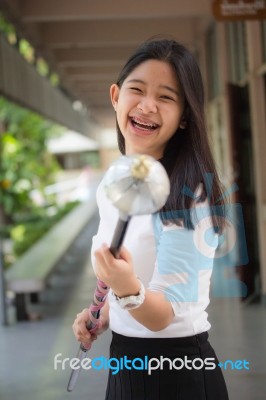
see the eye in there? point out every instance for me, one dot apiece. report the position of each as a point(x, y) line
point(165, 97)
point(136, 89)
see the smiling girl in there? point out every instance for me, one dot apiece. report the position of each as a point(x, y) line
point(160, 284)
point(149, 107)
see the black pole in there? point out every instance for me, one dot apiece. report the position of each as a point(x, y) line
point(3, 311)
point(119, 234)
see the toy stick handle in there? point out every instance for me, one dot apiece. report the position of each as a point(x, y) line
point(119, 234)
point(81, 354)
point(99, 298)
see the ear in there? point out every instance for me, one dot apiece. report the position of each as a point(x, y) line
point(183, 124)
point(114, 94)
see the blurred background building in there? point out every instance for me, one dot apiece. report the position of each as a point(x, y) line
point(84, 44)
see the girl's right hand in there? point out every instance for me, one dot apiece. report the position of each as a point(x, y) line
point(80, 329)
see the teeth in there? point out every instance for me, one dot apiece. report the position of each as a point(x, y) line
point(139, 122)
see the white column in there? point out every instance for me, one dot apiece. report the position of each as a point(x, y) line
point(223, 73)
point(258, 117)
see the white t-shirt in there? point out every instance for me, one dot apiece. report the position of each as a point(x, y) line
point(170, 259)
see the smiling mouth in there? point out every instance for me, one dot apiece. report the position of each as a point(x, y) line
point(146, 126)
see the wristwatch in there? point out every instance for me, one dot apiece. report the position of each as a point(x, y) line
point(133, 301)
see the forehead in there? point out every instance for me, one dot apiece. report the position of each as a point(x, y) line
point(155, 72)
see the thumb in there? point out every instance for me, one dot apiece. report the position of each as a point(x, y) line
point(125, 254)
point(99, 325)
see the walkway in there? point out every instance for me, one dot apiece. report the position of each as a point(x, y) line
point(27, 350)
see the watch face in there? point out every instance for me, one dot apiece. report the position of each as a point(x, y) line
point(130, 305)
point(127, 303)
point(131, 302)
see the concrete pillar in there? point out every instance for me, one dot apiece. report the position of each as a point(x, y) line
point(219, 113)
point(258, 118)
point(223, 63)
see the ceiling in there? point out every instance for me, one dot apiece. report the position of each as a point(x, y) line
point(87, 42)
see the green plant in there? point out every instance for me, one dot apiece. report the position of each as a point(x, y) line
point(26, 233)
point(25, 163)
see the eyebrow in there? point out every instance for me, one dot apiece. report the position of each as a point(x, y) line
point(161, 86)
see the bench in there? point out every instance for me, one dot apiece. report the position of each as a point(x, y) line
point(30, 274)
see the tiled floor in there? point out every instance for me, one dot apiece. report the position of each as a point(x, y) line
point(239, 333)
point(27, 350)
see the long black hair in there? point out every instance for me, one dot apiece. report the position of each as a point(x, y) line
point(187, 157)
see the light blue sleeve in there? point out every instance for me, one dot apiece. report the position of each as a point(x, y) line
point(182, 254)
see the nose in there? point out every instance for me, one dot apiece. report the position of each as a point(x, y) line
point(147, 105)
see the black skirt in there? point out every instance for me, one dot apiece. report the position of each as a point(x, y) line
point(164, 369)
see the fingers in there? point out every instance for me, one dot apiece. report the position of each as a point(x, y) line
point(114, 272)
point(104, 255)
point(80, 330)
point(104, 263)
point(125, 254)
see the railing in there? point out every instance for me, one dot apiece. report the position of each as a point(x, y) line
point(20, 82)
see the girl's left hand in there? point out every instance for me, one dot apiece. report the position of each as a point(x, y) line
point(119, 273)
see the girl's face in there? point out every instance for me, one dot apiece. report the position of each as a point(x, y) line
point(149, 108)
